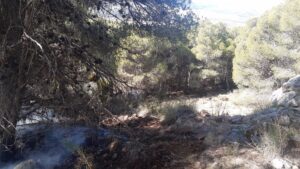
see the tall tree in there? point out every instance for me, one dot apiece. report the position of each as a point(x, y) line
point(155, 64)
point(267, 52)
point(11, 74)
point(213, 45)
point(50, 47)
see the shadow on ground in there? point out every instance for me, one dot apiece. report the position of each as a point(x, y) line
point(184, 138)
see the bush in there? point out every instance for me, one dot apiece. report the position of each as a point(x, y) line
point(154, 64)
point(267, 52)
point(213, 46)
point(273, 140)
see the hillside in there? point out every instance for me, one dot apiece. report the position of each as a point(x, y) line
point(135, 84)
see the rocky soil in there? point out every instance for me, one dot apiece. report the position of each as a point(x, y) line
point(222, 131)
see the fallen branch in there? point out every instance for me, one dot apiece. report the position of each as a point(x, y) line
point(34, 41)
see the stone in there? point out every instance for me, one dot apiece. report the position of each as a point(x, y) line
point(288, 95)
point(286, 99)
point(276, 95)
point(292, 84)
point(297, 100)
point(293, 103)
point(123, 117)
point(90, 87)
point(204, 113)
point(114, 145)
point(278, 163)
point(29, 164)
point(143, 111)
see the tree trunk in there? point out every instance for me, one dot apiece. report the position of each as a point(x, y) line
point(10, 106)
point(10, 77)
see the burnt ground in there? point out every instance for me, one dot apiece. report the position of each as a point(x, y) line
point(149, 143)
point(146, 145)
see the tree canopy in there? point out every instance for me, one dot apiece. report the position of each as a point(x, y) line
point(55, 52)
point(213, 45)
point(268, 48)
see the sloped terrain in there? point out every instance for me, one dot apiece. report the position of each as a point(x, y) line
point(186, 134)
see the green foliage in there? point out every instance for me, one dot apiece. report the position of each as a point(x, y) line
point(267, 51)
point(212, 41)
point(152, 63)
point(49, 47)
point(213, 45)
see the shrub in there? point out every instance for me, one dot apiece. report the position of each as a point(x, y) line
point(213, 46)
point(154, 64)
point(267, 52)
point(273, 140)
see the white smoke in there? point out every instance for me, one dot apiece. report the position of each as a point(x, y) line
point(57, 144)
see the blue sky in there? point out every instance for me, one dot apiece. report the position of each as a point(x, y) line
point(232, 12)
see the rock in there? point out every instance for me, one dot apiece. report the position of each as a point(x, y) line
point(143, 111)
point(293, 103)
point(123, 117)
point(286, 99)
point(288, 95)
point(276, 95)
point(297, 100)
point(204, 113)
point(113, 145)
point(278, 163)
point(90, 87)
point(29, 164)
point(292, 84)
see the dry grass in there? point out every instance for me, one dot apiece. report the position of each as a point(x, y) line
point(250, 97)
point(171, 113)
point(239, 102)
point(84, 160)
point(219, 108)
point(273, 140)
